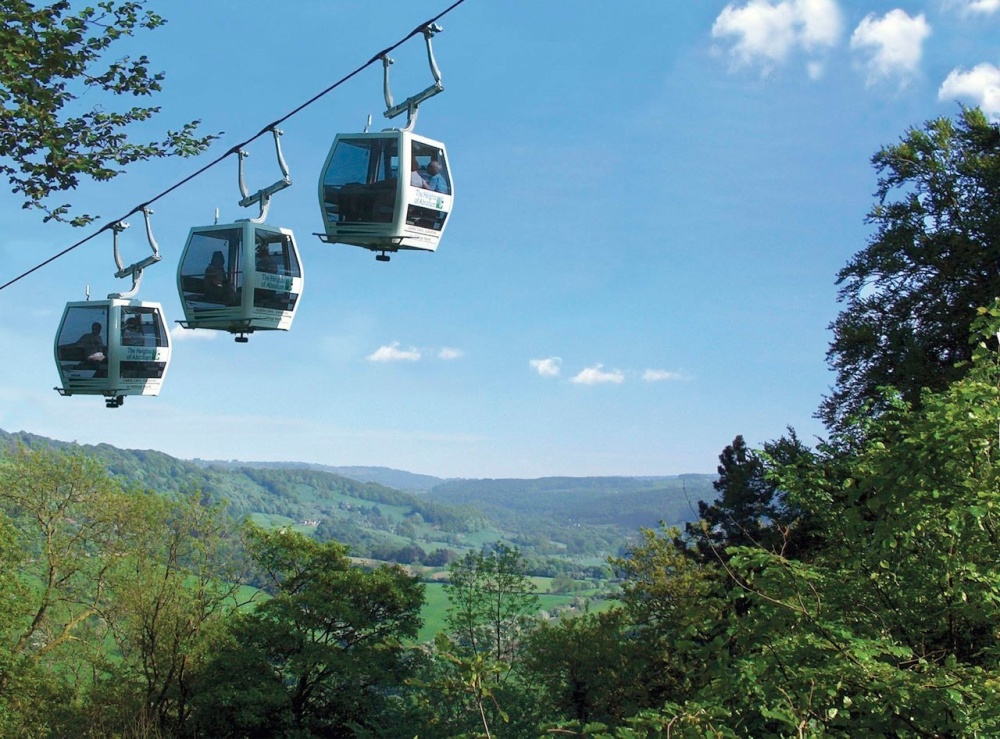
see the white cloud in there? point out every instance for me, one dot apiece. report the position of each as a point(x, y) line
point(819, 21)
point(984, 6)
point(657, 375)
point(393, 353)
point(976, 7)
point(448, 352)
point(981, 85)
point(815, 70)
point(179, 333)
point(766, 32)
point(892, 44)
point(548, 367)
point(597, 376)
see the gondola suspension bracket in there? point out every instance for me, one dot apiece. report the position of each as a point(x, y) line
point(410, 105)
point(263, 196)
point(135, 269)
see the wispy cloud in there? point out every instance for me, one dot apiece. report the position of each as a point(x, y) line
point(596, 375)
point(179, 333)
point(981, 85)
point(765, 33)
point(548, 367)
point(447, 353)
point(392, 353)
point(976, 7)
point(658, 375)
point(892, 45)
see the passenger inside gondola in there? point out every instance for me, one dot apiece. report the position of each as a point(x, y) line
point(428, 162)
point(266, 261)
point(132, 334)
point(435, 179)
point(93, 351)
point(218, 288)
point(92, 343)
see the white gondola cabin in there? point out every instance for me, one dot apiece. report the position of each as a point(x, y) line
point(113, 348)
point(386, 191)
point(390, 190)
point(240, 277)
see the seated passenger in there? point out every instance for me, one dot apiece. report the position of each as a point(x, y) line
point(92, 344)
point(132, 334)
point(218, 288)
point(436, 180)
point(266, 261)
point(94, 351)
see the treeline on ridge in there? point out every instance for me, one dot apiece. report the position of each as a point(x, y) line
point(575, 517)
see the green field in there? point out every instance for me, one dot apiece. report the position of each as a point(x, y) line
point(436, 607)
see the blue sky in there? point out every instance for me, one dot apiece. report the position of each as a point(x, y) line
point(652, 202)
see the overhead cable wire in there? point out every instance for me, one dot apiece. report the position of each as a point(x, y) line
point(235, 149)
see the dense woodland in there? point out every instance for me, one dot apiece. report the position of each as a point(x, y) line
point(848, 587)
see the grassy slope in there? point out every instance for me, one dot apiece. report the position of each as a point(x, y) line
point(436, 607)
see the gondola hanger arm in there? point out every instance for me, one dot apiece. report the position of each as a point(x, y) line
point(263, 196)
point(134, 270)
point(410, 105)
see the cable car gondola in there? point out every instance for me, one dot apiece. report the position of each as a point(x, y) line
point(244, 276)
point(114, 347)
point(389, 190)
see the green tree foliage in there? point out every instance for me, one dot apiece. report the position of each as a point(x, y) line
point(51, 58)
point(747, 511)
point(468, 684)
point(456, 694)
point(912, 293)
point(890, 628)
point(73, 526)
point(177, 584)
point(666, 643)
point(678, 609)
point(319, 656)
point(492, 603)
point(752, 509)
point(590, 667)
point(106, 595)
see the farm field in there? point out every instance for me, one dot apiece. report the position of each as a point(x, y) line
point(435, 607)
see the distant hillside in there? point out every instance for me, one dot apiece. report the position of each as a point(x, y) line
point(567, 517)
point(365, 515)
point(410, 482)
point(629, 502)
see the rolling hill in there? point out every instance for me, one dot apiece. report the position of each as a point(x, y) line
point(564, 517)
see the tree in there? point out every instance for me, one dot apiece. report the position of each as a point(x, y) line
point(912, 293)
point(890, 628)
point(320, 655)
point(54, 56)
point(454, 694)
point(590, 667)
point(468, 682)
point(492, 602)
point(752, 509)
point(105, 593)
point(74, 525)
point(177, 584)
point(678, 609)
point(747, 510)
